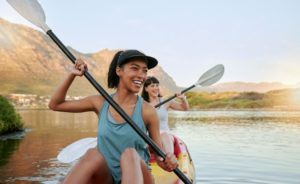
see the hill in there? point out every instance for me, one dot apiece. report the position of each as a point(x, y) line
point(261, 87)
point(31, 63)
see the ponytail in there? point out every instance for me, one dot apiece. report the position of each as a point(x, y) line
point(113, 78)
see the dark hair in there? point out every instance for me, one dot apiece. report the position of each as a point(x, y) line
point(112, 77)
point(150, 80)
point(123, 57)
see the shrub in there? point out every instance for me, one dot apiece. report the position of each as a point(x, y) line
point(10, 120)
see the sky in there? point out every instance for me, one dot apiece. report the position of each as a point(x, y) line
point(256, 40)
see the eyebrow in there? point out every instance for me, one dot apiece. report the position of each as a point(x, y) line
point(138, 65)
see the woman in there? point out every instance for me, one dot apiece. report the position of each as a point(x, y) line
point(121, 155)
point(151, 94)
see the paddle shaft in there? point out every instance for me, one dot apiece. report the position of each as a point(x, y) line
point(117, 107)
point(174, 96)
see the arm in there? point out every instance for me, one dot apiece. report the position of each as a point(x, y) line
point(58, 100)
point(152, 123)
point(182, 106)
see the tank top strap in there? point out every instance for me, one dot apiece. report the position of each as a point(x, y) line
point(104, 107)
point(137, 115)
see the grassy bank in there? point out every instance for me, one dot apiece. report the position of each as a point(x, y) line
point(286, 99)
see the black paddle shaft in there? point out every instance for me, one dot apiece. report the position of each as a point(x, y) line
point(117, 107)
point(174, 96)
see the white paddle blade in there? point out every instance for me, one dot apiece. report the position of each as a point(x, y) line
point(76, 150)
point(32, 11)
point(211, 76)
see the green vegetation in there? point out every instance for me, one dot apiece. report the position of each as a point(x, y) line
point(10, 121)
point(7, 149)
point(287, 99)
point(234, 100)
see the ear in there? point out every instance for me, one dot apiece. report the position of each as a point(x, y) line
point(118, 70)
point(146, 89)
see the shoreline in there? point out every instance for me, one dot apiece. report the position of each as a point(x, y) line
point(196, 109)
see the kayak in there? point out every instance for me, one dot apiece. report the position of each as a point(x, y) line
point(185, 162)
point(77, 149)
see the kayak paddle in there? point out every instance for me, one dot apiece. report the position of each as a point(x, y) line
point(210, 77)
point(76, 150)
point(33, 12)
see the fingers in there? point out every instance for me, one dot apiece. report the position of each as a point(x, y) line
point(160, 159)
point(181, 96)
point(170, 162)
point(80, 67)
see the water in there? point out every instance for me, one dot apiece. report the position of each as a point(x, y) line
point(260, 147)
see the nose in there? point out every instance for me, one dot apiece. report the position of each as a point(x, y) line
point(142, 74)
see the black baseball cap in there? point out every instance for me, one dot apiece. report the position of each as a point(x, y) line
point(126, 55)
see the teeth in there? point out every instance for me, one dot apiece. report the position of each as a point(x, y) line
point(137, 82)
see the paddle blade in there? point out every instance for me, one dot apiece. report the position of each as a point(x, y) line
point(76, 149)
point(32, 11)
point(211, 76)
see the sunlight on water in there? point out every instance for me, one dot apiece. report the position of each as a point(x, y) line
point(242, 146)
point(226, 146)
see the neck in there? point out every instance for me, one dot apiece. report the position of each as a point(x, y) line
point(153, 100)
point(125, 97)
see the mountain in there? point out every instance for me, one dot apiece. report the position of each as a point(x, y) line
point(261, 87)
point(31, 63)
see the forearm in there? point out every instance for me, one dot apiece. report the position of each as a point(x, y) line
point(59, 95)
point(184, 104)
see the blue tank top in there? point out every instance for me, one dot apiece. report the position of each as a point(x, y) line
point(114, 138)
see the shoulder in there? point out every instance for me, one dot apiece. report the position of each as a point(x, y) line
point(147, 108)
point(148, 112)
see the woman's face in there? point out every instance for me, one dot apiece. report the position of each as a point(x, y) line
point(133, 75)
point(153, 89)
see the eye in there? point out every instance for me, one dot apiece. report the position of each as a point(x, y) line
point(134, 68)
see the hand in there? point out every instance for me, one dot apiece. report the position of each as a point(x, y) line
point(181, 96)
point(79, 68)
point(169, 164)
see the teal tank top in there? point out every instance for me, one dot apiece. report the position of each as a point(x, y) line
point(114, 138)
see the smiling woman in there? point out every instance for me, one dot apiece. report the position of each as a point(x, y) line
point(126, 92)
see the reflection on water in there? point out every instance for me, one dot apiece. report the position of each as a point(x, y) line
point(7, 148)
point(226, 146)
point(50, 132)
point(242, 146)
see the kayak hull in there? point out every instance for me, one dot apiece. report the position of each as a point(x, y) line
point(185, 163)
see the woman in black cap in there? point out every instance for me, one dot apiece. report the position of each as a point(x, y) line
point(121, 154)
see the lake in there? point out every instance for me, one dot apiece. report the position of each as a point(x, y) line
point(237, 146)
